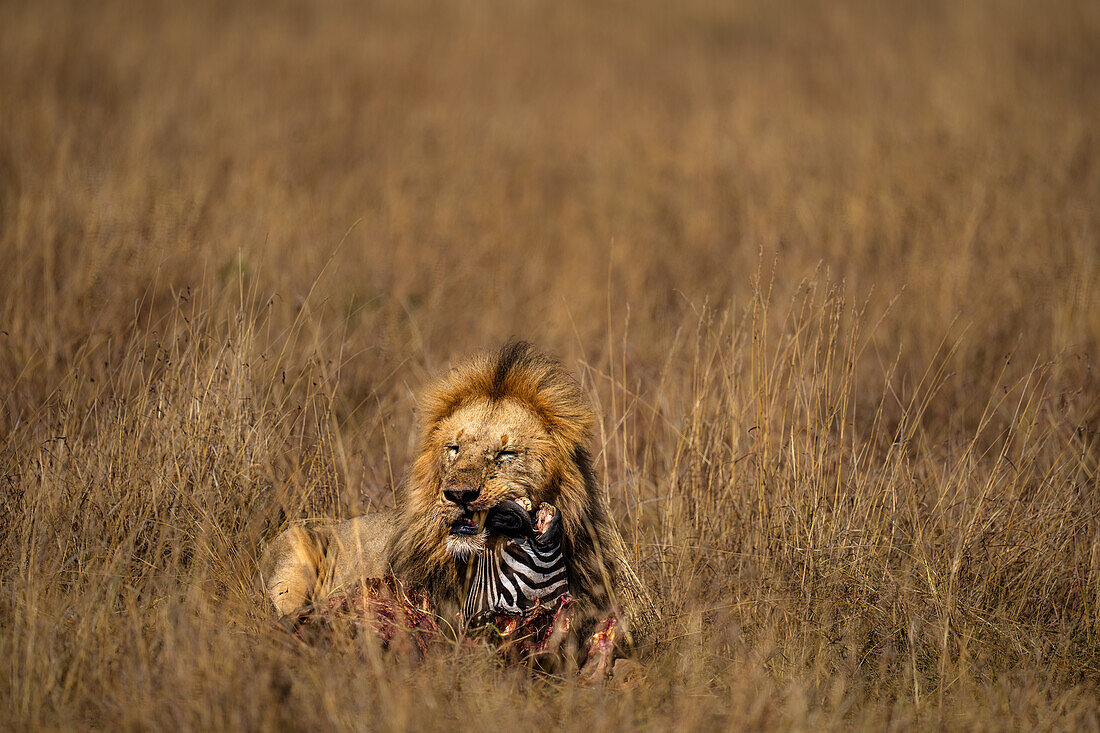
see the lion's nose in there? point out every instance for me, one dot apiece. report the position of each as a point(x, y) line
point(461, 494)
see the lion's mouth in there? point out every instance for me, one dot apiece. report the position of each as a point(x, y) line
point(468, 524)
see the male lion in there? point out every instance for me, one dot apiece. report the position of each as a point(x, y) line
point(511, 425)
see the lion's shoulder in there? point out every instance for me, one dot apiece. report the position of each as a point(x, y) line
point(309, 561)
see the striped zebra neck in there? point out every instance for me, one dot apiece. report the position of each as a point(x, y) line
point(517, 573)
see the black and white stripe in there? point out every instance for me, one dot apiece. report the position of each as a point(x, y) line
point(519, 568)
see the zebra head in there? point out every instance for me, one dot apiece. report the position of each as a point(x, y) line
point(522, 565)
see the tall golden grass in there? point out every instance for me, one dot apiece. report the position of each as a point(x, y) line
point(829, 272)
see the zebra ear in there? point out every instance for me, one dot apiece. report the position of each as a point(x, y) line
point(548, 527)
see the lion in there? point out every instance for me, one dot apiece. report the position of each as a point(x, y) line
point(508, 425)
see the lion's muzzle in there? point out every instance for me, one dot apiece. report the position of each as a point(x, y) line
point(462, 494)
point(468, 524)
point(465, 525)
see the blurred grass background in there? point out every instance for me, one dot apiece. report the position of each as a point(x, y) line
point(828, 270)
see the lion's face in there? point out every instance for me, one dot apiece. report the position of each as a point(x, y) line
point(487, 452)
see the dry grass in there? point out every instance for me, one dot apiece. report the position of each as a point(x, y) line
point(829, 270)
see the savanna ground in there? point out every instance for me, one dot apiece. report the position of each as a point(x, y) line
point(829, 272)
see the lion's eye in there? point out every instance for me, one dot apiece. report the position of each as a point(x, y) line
point(506, 455)
point(452, 451)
